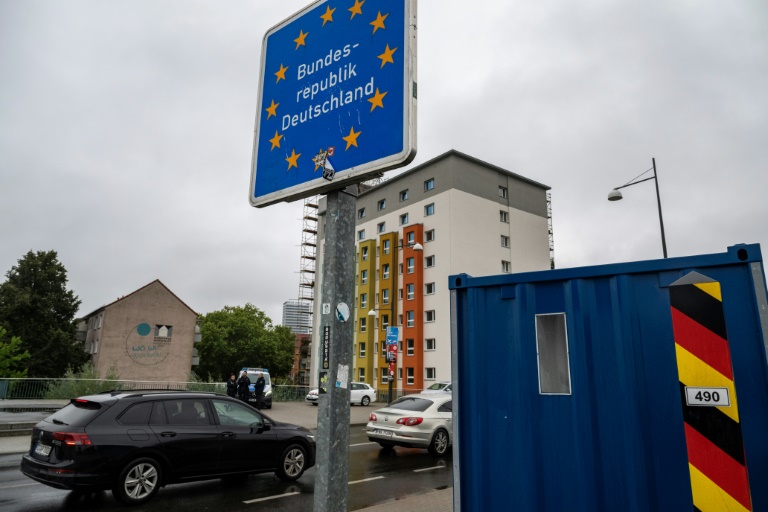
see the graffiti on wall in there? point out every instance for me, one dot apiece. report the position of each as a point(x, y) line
point(147, 344)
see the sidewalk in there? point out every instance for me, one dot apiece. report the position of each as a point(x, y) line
point(298, 413)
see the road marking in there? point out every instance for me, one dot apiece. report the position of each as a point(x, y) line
point(428, 469)
point(361, 444)
point(18, 485)
point(366, 480)
point(272, 497)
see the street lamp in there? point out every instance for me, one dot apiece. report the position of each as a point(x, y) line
point(373, 312)
point(615, 195)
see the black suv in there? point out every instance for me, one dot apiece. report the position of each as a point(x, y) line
point(135, 442)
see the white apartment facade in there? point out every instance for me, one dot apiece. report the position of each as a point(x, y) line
point(470, 217)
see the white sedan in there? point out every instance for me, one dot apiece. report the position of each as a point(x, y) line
point(359, 393)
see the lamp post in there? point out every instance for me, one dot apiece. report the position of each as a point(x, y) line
point(416, 247)
point(615, 195)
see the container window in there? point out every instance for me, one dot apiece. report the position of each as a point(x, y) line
point(552, 352)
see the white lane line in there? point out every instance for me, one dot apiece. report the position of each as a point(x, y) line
point(362, 444)
point(428, 469)
point(18, 485)
point(271, 497)
point(366, 480)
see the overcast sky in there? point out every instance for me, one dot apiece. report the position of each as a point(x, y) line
point(126, 131)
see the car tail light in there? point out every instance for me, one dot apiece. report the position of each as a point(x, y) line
point(72, 438)
point(410, 422)
point(372, 417)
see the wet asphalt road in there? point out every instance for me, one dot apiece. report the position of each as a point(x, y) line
point(375, 476)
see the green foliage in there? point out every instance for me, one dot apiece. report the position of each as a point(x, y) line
point(36, 307)
point(195, 383)
point(83, 382)
point(235, 337)
point(11, 357)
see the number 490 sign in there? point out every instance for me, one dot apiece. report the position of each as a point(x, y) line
point(712, 397)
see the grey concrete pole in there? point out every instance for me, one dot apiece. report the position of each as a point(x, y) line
point(332, 476)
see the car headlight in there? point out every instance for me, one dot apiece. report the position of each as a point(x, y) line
point(268, 393)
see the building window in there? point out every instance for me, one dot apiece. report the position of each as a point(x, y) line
point(430, 344)
point(411, 238)
point(385, 271)
point(364, 253)
point(363, 277)
point(381, 227)
point(430, 373)
point(410, 347)
point(361, 234)
point(381, 204)
point(384, 349)
point(386, 246)
point(400, 322)
point(429, 209)
point(504, 241)
point(429, 316)
point(505, 267)
point(503, 216)
point(363, 300)
point(362, 349)
point(409, 319)
point(410, 264)
point(404, 219)
point(503, 192)
point(361, 374)
point(411, 378)
point(429, 261)
point(385, 296)
point(400, 294)
point(400, 373)
point(552, 354)
point(403, 195)
point(429, 184)
point(409, 291)
point(384, 374)
point(361, 213)
point(429, 289)
point(429, 236)
point(384, 322)
point(400, 268)
point(362, 324)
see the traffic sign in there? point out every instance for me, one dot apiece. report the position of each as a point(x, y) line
point(337, 98)
point(392, 335)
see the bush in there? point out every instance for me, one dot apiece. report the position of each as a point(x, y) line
point(84, 382)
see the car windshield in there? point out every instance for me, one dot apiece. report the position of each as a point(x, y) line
point(407, 403)
point(436, 386)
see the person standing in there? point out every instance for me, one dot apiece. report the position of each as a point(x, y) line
point(258, 389)
point(242, 386)
point(232, 386)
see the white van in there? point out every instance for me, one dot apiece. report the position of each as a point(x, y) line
point(253, 374)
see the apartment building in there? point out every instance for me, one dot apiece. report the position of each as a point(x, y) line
point(453, 214)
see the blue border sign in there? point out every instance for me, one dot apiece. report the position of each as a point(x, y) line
point(337, 98)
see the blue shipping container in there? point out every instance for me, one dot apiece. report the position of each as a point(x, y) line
point(614, 387)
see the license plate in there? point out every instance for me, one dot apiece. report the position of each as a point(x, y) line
point(387, 433)
point(42, 449)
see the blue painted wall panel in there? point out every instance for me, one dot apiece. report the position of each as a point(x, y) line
point(617, 442)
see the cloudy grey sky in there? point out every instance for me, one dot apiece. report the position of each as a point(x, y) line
point(126, 131)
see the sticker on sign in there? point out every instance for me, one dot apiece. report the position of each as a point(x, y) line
point(707, 397)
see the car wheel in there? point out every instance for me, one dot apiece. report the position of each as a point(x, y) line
point(439, 444)
point(314, 403)
point(138, 481)
point(292, 463)
point(365, 401)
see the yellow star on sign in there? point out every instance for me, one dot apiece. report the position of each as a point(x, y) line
point(293, 160)
point(300, 40)
point(387, 56)
point(376, 100)
point(272, 109)
point(328, 16)
point(357, 8)
point(351, 139)
point(275, 141)
point(281, 72)
point(378, 23)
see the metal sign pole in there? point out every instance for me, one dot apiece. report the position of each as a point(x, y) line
point(333, 410)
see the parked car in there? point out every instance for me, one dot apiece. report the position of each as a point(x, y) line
point(135, 442)
point(439, 387)
point(359, 393)
point(414, 421)
point(253, 374)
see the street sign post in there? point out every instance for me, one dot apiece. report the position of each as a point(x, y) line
point(337, 98)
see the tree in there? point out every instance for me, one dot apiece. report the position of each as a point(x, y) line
point(36, 307)
point(11, 357)
point(235, 337)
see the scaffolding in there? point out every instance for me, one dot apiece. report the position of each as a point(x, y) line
point(550, 232)
point(307, 273)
